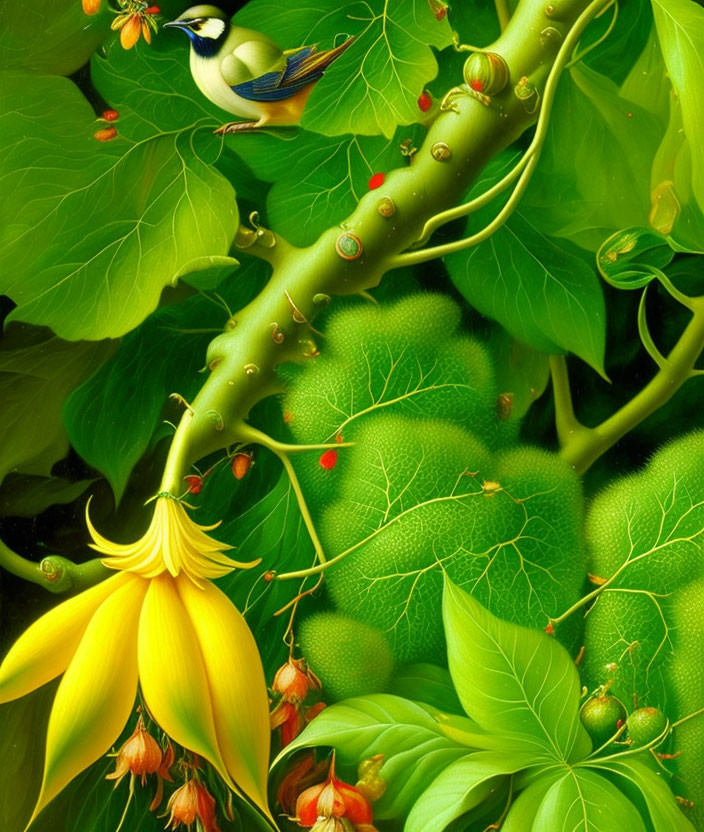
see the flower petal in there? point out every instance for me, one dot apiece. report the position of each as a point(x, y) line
point(97, 692)
point(172, 674)
point(45, 649)
point(237, 685)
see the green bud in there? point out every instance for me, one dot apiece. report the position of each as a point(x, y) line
point(602, 716)
point(645, 725)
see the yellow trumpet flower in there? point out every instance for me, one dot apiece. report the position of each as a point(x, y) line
point(162, 624)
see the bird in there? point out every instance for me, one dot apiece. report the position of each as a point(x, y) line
point(245, 73)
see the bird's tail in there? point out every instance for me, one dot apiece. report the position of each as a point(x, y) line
point(315, 63)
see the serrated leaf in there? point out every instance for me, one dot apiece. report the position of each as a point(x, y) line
point(462, 786)
point(96, 230)
point(509, 676)
point(52, 36)
point(542, 293)
point(584, 802)
point(406, 733)
point(374, 86)
point(680, 27)
point(37, 372)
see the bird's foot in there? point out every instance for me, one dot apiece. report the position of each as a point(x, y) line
point(236, 127)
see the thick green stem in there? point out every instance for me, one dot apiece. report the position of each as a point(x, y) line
point(586, 445)
point(55, 573)
point(353, 257)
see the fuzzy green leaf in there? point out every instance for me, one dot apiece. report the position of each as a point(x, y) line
point(512, 677)
point(374, 86)
point(96, 230)
point(542, 293)
point(680, 27)
point(406, 733)
point(584, 802)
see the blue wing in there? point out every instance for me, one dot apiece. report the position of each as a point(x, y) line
point(302, 68)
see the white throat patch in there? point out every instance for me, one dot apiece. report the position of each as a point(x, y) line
point(212, 28)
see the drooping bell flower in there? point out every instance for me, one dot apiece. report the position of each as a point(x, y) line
point(160, 623)
point(332, 799)
point(294, 680)
point(139, 756)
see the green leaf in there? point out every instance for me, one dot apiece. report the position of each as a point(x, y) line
point(665, 814)
point(406, 733)
point(593, 177)
point(37, 371)
point(112, 417)
point(522, 374)
point(584, 802)
point(374, 86)
point(318, 180)
point(680, 27)
point(96, 230)
point(525, 807)
point(543, 294)
point(513, 678)
point(630, 259)
point(52, 36)
point(25, 496)
point(462, 786)
point(426, 683)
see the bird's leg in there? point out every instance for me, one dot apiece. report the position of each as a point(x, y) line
point(237, 127)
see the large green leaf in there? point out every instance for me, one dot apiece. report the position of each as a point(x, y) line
point(510, 677)
point(680, 27)
point(636, 778)
point(52, 36)
point(461, 787)
point(584, 802)
point(318, 180)
point(533, 285)
point(37, 372)
point(25, 496)
point(525, 807)
point(428, 683)
point(96, 230)
point(375, 85)
point(593, 177)
point(112, 417)
point(406, 733)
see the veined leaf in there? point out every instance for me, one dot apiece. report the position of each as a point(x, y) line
point(519, 679)
point(640, 781)
point(37, 372)
point(318, 180)
point(584, 802)
point(406, 733)
point(543, 294)
point(96, 230)
point(680, 27)
point(632, 258)
point(428, 683)
point(525, 807)
point(375, 84)
point(462, 786)
point(52, 36)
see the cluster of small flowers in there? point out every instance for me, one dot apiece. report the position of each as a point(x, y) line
point(292, 683)
point(141, 756)
point(134, 18)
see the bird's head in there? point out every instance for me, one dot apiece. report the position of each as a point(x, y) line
point(206, 26)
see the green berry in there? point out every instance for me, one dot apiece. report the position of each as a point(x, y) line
point(350, 657)
point(602, 716)
point(645, 725)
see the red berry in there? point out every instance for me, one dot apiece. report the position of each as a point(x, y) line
point(376, 181)
point(477, 85)
point(106, 134)
point(240, 465)
point(111, 115)
point(328, 460)
point(152, 10)
point(425, 102)
point(195, 483)
point(550, 629)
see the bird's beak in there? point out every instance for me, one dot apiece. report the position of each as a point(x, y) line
point(175, 24)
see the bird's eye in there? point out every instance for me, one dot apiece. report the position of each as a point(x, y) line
point(195, 25)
